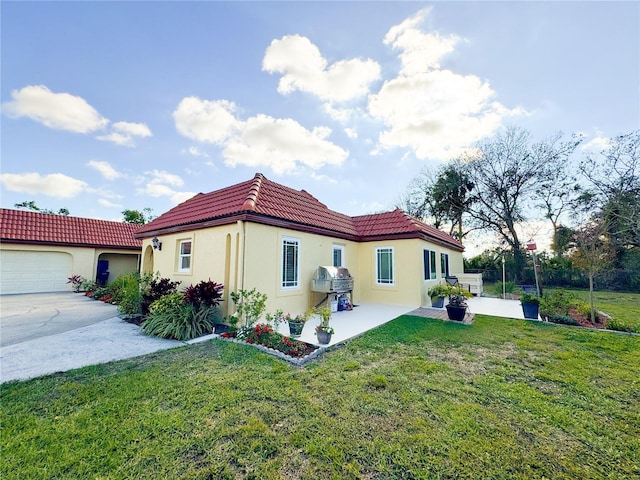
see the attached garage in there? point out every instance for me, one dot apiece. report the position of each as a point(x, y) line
point(39, 251)
point(33, 272)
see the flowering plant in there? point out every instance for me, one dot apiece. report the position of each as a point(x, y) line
point(325, 315)
point(263, 334)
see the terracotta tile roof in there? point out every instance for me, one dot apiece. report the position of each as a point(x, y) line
point(258, 196)
point(41, 228)
point(398, 222)
point(262, 200)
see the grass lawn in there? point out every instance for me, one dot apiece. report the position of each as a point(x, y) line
point(413, 399)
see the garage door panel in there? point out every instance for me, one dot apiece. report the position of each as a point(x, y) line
point(33, 272)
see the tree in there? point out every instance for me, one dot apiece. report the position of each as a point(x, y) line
point(507, 172)
point(418, 200)
point(452, 196)
point(592, 253)
point(614, 190)
point(442, 196)
point(137, 217)
point(31, 205)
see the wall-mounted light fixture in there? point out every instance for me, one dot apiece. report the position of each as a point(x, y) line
point(157, 244)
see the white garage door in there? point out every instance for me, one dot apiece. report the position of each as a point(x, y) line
point(33, 272)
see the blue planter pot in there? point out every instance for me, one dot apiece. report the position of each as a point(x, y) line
point(295, 328)
point(530, 310)
point(437, 302)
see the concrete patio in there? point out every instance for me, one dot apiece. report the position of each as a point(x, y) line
point(364, 317)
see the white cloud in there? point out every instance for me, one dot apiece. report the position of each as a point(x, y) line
point(339, 114)
point(159, 183)
point(304, 68)
point(259, 141)
point(281, 144)
point(597, 144)
point(351, 133)
point(435, 112)
point(53, 185)
point(124, 132)
point(105, 169)
point(163, 177)
point(132, 129)
point(206, 121)
point(106, 203)
point(195, 152)
point(419, 51)
point(61, 111)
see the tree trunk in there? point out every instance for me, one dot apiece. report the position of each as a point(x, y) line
point(591, 302)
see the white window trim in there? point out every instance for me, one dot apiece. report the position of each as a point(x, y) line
point(393, 267)
point(433, 269)
point(341, 248)
point(444, 256)
point(181, 256)
point(282, 258)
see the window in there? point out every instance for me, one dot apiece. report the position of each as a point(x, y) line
point(338, 256)
point(290, 263)
point(384, 266)
point(444, 264)
point(184, 257)
point(429, 261)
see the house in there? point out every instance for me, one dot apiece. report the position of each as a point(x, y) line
point(264, 235)
point(39, 251)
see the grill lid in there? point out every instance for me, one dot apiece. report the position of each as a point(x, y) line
point(332, 279)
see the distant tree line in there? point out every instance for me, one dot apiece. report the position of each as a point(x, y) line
point(592, 204)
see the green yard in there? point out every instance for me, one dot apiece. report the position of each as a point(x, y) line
point(416, 398)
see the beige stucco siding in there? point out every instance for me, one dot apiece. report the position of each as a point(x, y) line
point(249, 255)
point(83, 261)
point(263, 263)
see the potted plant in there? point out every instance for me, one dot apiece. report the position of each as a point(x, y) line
point(324, 331)
point(457, 306)
point(437, 294)
point(530, 305)
point(296, 324)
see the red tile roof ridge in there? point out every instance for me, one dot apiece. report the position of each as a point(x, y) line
point(254, 192)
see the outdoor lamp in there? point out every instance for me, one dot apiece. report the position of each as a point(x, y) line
point(157, 244)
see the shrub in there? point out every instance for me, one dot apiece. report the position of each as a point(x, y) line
point(129, 295)
point(613, 324)
point(179, 321)
point(556, 302)
point(158, 288)
point(204, 294)
point(77, 281)
point(167, 303)
point(563, 319)
point(250, 305)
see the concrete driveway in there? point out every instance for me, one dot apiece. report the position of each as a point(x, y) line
point(37, 315)
point(56, 332)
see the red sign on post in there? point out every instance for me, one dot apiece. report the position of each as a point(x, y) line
point(531, 246)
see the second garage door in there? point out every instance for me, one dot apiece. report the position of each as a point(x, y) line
point(34, 272)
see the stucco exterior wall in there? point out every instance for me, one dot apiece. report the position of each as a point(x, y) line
point(249, 255)
point(84, 259)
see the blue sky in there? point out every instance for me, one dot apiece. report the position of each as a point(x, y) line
point(116, 105)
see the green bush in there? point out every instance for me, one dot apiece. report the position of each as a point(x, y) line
point(556, 302)
point(180, 321)
point(563, 319)
point(129, 294)
point(167, 303)
point(613, 324)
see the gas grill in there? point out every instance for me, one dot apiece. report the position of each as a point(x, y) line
point(332, 281)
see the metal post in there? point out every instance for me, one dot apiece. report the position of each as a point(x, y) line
point(504, 287)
